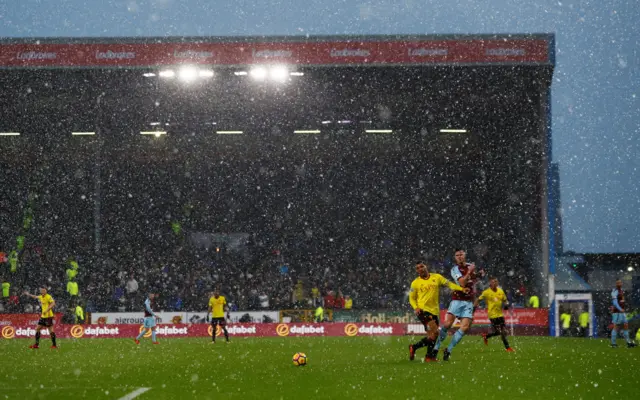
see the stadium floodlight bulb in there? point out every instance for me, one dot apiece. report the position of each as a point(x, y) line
point(168, 73)
point(229, 132)
point(240, 73)
point(205, 73)
point(453, 131)
point(278, 73)
point(9, 133)
point(258, 73)
point(154, 133)
point(378, 130)
point(307, 131)
point(188, 74)
point(296, 73)
point(83, 133)
point(148, 74)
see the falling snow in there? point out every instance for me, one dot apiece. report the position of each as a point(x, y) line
point(292, 186)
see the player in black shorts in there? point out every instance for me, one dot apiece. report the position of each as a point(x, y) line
point(498, 323)
point(496, 300)
point(427, 317)
point(424, 299)
point(218, 321)
point(217, 308)
point(46, 317)
point(429, 321)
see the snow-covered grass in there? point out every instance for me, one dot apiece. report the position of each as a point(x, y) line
point(356, 367)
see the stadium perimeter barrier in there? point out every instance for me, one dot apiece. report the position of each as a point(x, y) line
point(522, 322)
point(25, 319)
point(177, 318)
point(517, 317)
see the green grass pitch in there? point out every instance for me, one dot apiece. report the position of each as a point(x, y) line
point(346, 367)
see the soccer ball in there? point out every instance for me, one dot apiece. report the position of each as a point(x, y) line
point(299, 359)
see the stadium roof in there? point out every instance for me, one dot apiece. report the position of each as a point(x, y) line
point(569, 281)
point(533, 49)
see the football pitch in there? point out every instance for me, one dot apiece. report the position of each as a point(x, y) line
point(353, 368)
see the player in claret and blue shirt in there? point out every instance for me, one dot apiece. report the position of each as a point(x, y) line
point(149, 319)
point(618, 316)
point(461, 307)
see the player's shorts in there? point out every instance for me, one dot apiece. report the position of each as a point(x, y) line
point(426, 317)
point(46, 322)
point(619, 318)
point(461, 309)
point(497, 322)
point(218, 321)
point(149, 322)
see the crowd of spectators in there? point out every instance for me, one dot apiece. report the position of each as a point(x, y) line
point(313, 228)
point(271, 281)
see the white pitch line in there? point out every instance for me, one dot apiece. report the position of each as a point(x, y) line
point(134, 394)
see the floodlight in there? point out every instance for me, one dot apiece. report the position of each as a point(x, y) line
point(258, 73)
point(168, 73)
point(188, 74)
point(278, 73)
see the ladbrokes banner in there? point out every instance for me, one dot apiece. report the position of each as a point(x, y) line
point(370, 52)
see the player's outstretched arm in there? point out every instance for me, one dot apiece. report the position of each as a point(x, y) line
point(29, 295)
point(453, 286)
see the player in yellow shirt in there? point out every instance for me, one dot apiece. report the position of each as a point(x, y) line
point(217, 308)
point(424, 299)
point(46, 317)
point(495, 299)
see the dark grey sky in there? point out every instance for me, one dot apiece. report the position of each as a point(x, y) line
point(596, 89)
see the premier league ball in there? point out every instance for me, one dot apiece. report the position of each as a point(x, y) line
point(299, 359)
